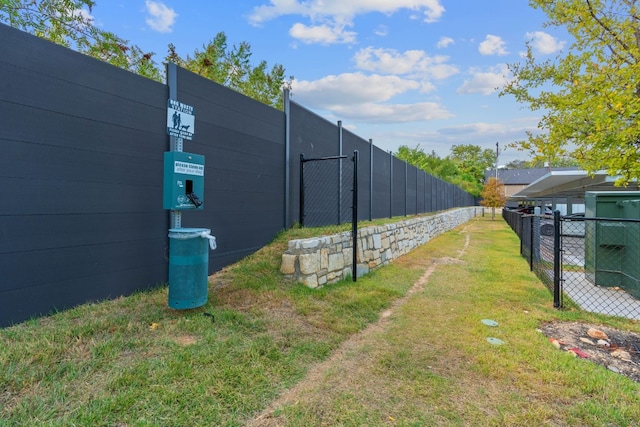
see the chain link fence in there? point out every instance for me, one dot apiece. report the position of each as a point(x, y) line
point(589, 263)
point(329, 196)
point(326, 191)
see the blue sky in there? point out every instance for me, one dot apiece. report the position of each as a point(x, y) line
point(401, 72)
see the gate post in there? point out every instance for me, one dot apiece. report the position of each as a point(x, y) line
point(354, 219)
point(301, 213)
point(556, 260)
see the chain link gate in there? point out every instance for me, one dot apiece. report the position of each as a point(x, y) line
point(329, 195)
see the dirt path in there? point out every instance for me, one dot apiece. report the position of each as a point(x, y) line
point(347, 358)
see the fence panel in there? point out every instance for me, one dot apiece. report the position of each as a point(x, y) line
point(381, 183)
point(399, 187)
point(352, 143)
point(601, 265)
point(594, 265)
point(81, 169)
point(326, 193)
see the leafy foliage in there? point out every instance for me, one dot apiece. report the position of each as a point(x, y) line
point(231, 67)
point(69, 23)
point(590, 95)
point(465, 167)
point(540, 163)
point(473, 160)
point(493, 195)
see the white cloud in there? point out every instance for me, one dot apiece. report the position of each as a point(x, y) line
point(410, 62)
point(334, 14)
point(432, 9)
point(484, 82)
point(492, 45)
point(545, 43)
point(161, 18)
point(445, 42)
point(83, 14)
point(360, 97)
point(440, 140)
point(350, 89)
point(322, 34)
point(381, 31)
point(476, 129)
point(392, 113)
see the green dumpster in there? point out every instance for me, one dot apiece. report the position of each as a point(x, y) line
point(612, 251)
point(189, 266)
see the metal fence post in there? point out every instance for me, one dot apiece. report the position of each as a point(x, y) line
point(175, 143)
point(286, 99)
point(370, 179)
point(406, 186)
point(556, 260)
point(301, 214)
point(531, 244)
point(354, 220)
point(390, 185)
point(340, 172)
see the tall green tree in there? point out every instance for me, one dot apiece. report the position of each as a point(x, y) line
point(232, 67)
point(69, 23)
point(473, 160)
point(590, 94)
point(417, 157)
point(447, 168)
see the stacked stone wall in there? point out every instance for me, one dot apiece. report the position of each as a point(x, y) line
point(328, 259)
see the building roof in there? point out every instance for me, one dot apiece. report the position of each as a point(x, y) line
point(570, 183)
point(521, 176)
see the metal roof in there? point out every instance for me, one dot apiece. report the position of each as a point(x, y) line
point(520, 176)
point(570, 183)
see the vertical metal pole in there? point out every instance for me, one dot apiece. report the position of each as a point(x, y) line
point(287, 158)
point(497, 154)
point(340, 172)
point(175, 144)
point(354, 220)
point(556, 260)
point(531, 243)
point(424, 198)
point(370, 179)
point(390, 185)
point(301, 213)
point(416, 191)
point(406, 187)
point(519, 226)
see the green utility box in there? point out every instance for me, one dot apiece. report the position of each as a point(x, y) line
point(189, 266)
point(183, 181)
point(612, 248)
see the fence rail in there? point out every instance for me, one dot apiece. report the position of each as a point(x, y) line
point(589, 263)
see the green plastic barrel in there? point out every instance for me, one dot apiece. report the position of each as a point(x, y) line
point(189, 266)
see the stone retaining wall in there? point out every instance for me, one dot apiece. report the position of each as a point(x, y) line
point(328, 259)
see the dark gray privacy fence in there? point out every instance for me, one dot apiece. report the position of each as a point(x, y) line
point(592, 262)
point(81, 215)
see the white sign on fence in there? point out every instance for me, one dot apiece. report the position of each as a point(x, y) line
point(180, 120)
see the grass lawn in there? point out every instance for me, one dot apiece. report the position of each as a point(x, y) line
point(135, 362)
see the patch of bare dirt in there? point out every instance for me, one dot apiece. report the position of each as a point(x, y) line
point(617, 350)
point(185, 340)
